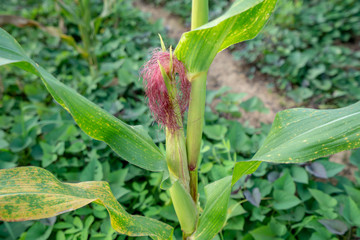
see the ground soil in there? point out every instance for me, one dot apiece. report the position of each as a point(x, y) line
point(225, 71)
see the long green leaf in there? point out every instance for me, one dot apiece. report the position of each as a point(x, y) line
point(299, 135)
point(128, 142)
point(28, 193)
point(214, 216)
point(241, 22)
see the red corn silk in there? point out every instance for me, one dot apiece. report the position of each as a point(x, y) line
point(160, 104)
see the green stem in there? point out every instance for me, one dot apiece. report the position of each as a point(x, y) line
point(199, 17)
point(195, 124)
point(199, 13)
point(194, 184)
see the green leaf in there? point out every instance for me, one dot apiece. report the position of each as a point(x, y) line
point(38, 231)
point(299, 135)
point(351, 212)
point(326, 204)
point(125, 140)
point(263, 233)
point(92, 172)
point(276, 227)
point(241, 22)
point(215, 132)
point(355, 158)
point(293, 215)
point(28, 193)
point(284, 200)
point(353, 193)
point(325, 201)
point(300, 94)
point(235, 209)
point(243, 168)
point(254, 104)
point(299, 174)
point(285, 183)
point(214, 216)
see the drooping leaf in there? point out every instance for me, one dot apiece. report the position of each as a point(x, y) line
point(299, 135)
point(214, 216)
point(241, 22)
point(28, 193)
point(127, 141)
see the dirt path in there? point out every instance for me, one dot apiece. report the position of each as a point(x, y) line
point(225, 71)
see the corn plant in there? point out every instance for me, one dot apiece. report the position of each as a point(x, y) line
point(175, 82)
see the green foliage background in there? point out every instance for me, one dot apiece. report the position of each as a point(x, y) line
point(309, 48)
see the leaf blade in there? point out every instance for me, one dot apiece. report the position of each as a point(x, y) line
point(244, 168)
point(125, 140)
point(299, 135)
point(28, 193)
point(241, 22)
point(214, 216)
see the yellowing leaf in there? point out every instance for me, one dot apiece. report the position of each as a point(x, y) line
point(28, 193)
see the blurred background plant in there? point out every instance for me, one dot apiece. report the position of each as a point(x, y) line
point(311, 45)
point(310, 51)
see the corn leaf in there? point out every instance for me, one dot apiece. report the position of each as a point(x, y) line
point(213, 218)
point(241, 22)
point(299, 135)
point(28, 193)
point(243, 168)
point(128, 142)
